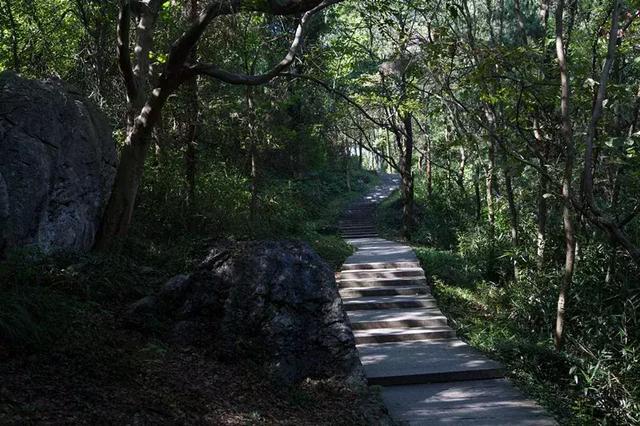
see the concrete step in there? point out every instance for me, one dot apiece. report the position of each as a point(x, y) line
point(389, 318)
point(425, 361)
point(370, 231)
point(379, 265)
point(374, 244)
point(356, 223)
point(491, 402)
point(381, 282)
point(382, 273)
point(402, 334)
point(382, 291)
point(349, 236)
point(413, 268)
point(388, 302)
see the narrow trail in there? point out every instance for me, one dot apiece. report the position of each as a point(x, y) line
point(428, 375)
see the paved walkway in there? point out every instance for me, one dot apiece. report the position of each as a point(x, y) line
point(428, 375)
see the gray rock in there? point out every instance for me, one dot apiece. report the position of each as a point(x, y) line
point(276, 303)
point(57, 165)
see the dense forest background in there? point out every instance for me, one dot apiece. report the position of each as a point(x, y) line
point(513, 124)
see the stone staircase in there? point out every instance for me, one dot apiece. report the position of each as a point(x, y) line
point(405, 344)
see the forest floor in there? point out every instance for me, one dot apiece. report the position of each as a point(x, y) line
point(122, 378)
point(65, 356)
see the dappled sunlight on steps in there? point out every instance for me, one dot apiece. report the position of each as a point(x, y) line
point(404, 341)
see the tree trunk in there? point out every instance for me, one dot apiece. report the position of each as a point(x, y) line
point(406, 174)
point(476, 186)
point(542, 209)
point(119, 211)
point(513, 219)
point(192, 110)
point(490, 180)
point(253, 204)
point(429, 169)
point(567, 214)
point(347, 167)
point(253, 154)
point(118, 214)
point(461, 171)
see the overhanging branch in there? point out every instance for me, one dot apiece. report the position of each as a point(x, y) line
point(212, 70)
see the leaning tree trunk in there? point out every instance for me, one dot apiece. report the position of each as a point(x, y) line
point(119, 211)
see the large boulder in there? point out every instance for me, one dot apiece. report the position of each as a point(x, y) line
point(57, 165)
point(276, 303)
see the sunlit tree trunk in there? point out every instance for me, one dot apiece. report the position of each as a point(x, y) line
point(490, 181)
point(542, 208)
point(461, 171)
point(567, 214)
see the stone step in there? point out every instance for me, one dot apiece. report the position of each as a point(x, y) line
point(368, 232)
point(356, 222)
point(383, 291)
point(381, 282)
point(425, 361)
point(388, 302)
point(358, 232)
point(389, 318)
point(391, 255)
point(379, 265)
point(493, 402)
point(382, 273)
point(373, 244)
point(362, 208)
point(414, 268)
point(352, 235)
point(355, 239)
point(402, 334)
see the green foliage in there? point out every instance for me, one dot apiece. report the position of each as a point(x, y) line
point(595, 378)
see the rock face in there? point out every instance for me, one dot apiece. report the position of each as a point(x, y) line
point(57, 165)
point(272, 302)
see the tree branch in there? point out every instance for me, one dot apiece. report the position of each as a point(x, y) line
point(341, 95)
point(255, 80)
point(124, 60)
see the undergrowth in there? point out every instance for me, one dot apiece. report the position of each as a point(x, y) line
point(595, 379)
point(45, 297)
